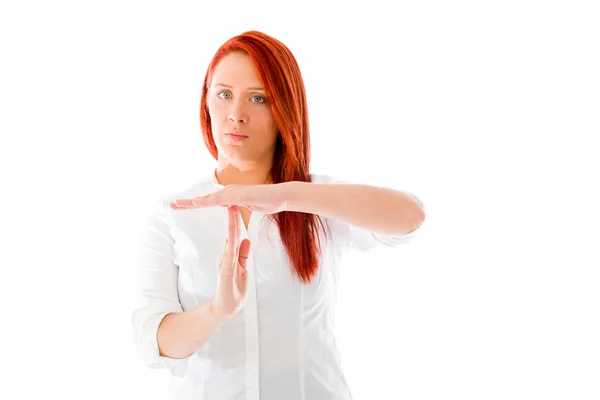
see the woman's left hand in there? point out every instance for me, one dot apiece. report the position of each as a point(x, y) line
point(268, 199)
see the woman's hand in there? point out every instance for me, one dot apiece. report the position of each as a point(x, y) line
point(232, 274)
point(268, 199)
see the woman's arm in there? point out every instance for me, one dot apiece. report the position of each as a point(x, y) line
point(180, 334)
point(374, 208)
point(165, 333)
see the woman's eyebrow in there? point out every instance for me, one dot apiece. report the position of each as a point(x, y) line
point(231, 87)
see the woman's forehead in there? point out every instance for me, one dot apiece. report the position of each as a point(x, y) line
point(236, 71)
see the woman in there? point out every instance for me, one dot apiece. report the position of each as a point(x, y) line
point(239, 272)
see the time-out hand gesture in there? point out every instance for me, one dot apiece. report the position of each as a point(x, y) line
point(232, 277)
point(268, 198)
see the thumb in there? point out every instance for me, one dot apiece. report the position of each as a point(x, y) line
point(244, 251)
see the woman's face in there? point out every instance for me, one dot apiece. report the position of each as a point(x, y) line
point(237, 104)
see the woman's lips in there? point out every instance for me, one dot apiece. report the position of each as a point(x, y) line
point(235, 137)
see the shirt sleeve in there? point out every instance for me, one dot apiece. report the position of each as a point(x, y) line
point(362, 239)
point(157, 294)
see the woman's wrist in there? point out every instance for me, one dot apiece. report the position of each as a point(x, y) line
point(218, 315)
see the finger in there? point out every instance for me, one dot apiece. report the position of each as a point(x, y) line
point(242, 271)
point(220, 260)
point(244, 252)
point(237, 231)
point(208, 200)
point(232, 231)
point(181, 204)
point(242, 281)
point(176, 207)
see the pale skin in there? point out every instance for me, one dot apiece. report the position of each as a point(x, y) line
point(237, 103)
point(182, 333)
point(233, 275)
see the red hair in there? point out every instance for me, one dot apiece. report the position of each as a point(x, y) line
point(284, 87)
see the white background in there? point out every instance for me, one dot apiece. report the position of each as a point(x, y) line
point(489, 111)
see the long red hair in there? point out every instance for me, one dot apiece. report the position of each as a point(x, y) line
point(284, 87)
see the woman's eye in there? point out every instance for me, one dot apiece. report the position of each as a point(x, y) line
point(258, 99)
point(224, 94)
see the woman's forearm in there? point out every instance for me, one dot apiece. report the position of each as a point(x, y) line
point(180, 334)
point(379, 209)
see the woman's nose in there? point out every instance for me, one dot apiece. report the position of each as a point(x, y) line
point(237, 114)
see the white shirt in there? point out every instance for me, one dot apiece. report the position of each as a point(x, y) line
point(280, 345)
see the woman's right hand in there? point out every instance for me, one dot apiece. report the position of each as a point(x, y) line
point(232, 280)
